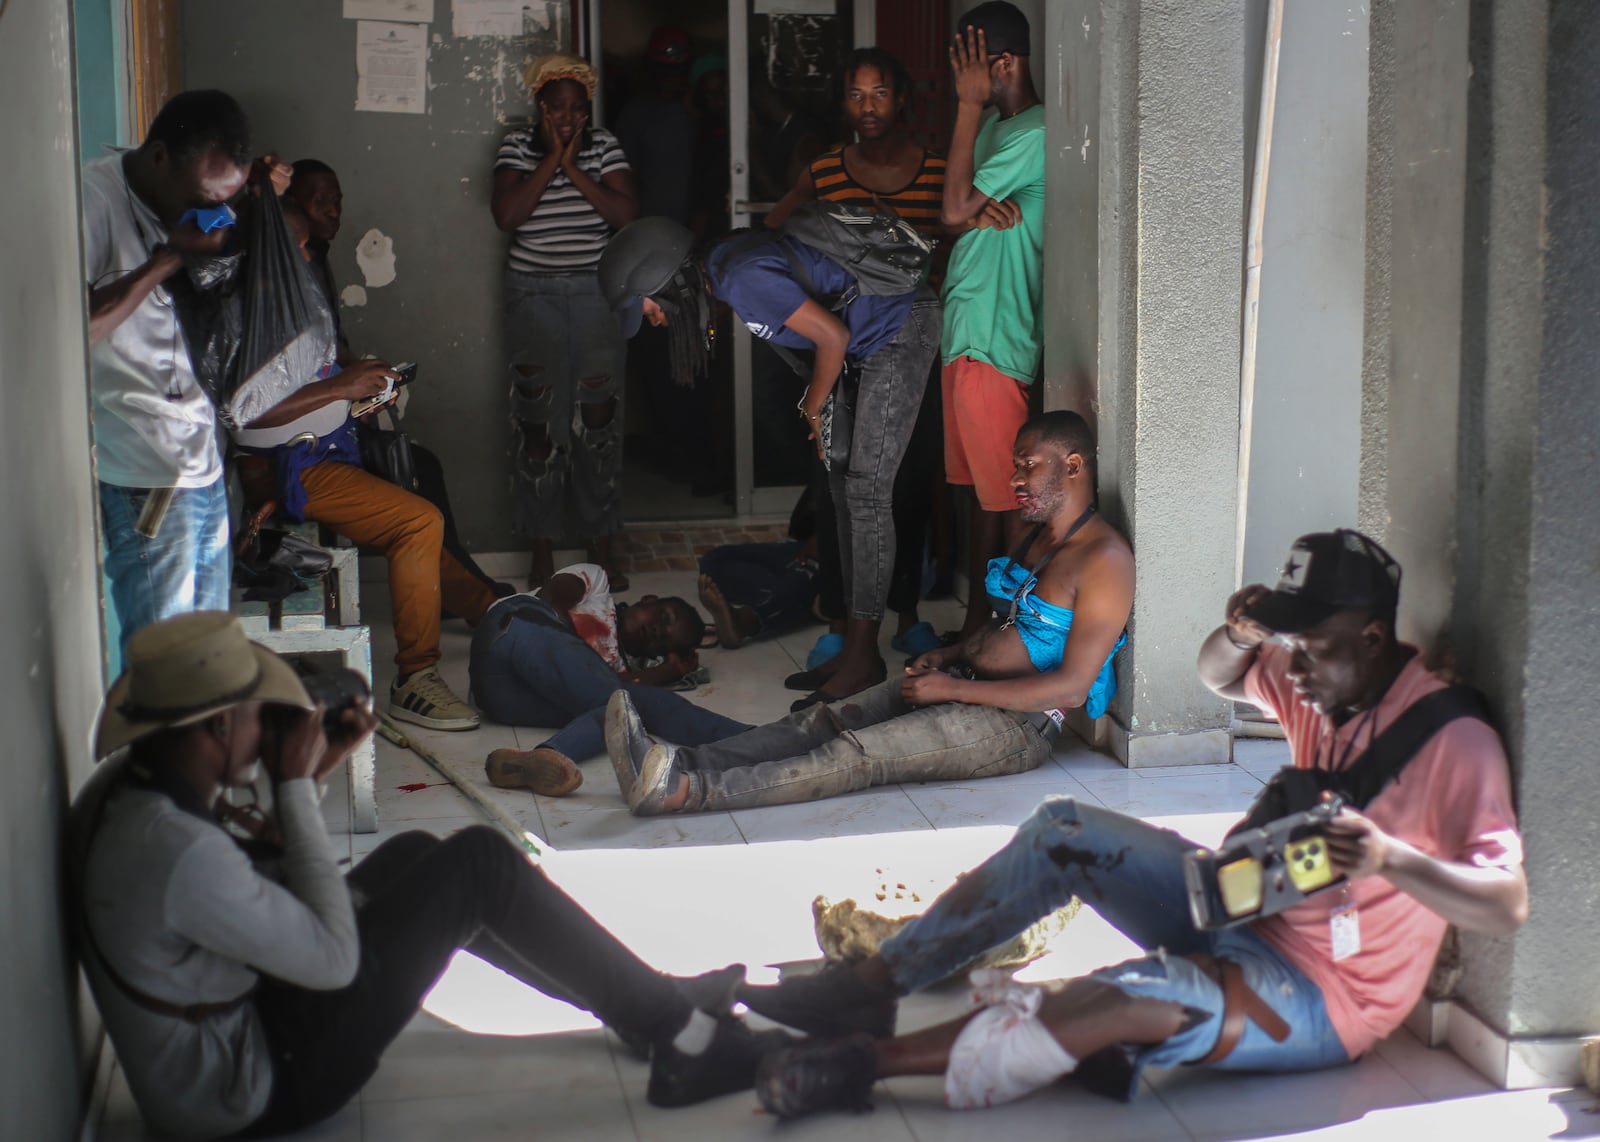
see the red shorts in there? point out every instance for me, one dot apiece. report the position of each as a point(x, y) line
point(983, 411)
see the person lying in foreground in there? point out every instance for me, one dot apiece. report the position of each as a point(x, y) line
point(988, 706)
point(1312, 985)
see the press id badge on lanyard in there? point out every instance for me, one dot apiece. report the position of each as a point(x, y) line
point(1344, 929)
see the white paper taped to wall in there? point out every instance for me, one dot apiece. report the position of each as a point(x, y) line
point(391, 67)
point(410, 11)
point(486, 17)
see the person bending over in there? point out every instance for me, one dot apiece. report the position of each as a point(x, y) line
point(552, 657)
point(798, 298)
point(991, 705)
point(1314, 985)
point(258, 998)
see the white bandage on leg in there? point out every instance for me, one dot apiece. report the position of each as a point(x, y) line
point(1004, 1051)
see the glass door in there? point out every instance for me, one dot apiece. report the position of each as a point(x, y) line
point(781, 58)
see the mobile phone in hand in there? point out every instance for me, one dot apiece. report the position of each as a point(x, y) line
point(404, 374)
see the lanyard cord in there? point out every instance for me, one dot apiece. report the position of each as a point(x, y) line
point(1033, 576)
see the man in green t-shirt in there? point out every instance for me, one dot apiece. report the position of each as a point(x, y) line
point(993, 339)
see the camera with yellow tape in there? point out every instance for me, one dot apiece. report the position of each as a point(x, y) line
point(1260, 871)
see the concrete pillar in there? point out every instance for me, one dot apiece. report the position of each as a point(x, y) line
point(1146, 211)
point(1526, 620)
point(1416, 163)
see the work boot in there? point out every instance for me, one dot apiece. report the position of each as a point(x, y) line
point(818, 1075)
point(425, 700)
point(544, 771)
point(832, 1002)
point(712, 992)
point(726, 1066)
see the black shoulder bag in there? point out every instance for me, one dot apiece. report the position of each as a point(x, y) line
point(1294, 790)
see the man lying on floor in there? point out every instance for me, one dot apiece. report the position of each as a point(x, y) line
point(552, 657)
point(1312, 985)
point(989, 706)
point(254, 990)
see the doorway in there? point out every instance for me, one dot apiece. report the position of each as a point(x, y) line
point(732, 447)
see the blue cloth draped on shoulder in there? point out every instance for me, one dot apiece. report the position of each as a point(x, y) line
point(1044, 628)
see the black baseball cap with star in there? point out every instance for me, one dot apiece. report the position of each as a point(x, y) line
point(1328, 572)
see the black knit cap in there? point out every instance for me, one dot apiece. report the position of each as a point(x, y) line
point(1004, 27)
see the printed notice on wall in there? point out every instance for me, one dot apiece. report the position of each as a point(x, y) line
point(391, 67)
point(410, 11)
point(487, 17)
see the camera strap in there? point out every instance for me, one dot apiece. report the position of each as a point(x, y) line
point(1363, 779)
point(1295, 789)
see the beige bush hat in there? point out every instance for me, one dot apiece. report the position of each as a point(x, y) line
point(186, 668)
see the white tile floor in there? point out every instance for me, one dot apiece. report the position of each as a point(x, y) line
point(490, 1060)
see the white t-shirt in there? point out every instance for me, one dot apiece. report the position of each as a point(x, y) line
point(594, 618)
point(154, 427)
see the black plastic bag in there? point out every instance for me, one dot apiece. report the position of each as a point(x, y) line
point(278, 563)
point(258, 324)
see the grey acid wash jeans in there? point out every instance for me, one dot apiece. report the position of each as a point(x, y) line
point(887, 402)
point(871, 738)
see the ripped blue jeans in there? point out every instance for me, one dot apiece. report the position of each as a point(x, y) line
point(565, 357)
point(1132, 874)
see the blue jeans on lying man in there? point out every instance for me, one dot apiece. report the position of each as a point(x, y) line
point(871, 738)
point(529, 669)
point(1132, 874)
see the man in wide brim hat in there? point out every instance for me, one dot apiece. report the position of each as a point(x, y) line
point(186, 669)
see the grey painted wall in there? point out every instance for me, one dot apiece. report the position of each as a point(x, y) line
point(1070, 41)
point(1529, 517)
point(421, 180)
point(1416, 188)
point(49, 629)
point(1169, 249)
point(1306, 439)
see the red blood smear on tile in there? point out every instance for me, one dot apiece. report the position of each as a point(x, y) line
point(415, 785)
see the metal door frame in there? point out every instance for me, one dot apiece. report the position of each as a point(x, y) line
point(750, 500)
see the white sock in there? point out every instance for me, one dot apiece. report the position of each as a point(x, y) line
point(696, 1035)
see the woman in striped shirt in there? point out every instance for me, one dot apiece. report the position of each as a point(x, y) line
point(561, 189)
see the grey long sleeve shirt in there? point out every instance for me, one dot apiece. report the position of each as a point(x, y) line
point(182, 915)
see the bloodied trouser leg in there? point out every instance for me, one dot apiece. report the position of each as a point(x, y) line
point(1128, 871)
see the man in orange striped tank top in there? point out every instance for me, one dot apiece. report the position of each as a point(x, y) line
point(887, 169)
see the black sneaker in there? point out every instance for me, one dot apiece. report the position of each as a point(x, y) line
point(832, 1002)
point(712, 992)
point(727, 1066)
point(818, 1075)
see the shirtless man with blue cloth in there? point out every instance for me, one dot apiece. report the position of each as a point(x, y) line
point(990, 706)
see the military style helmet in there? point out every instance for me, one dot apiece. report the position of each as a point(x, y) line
point(641, 260)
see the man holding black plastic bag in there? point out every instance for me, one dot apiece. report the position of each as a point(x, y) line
point(149, 214)
point(310, 436)
point(1427, 838)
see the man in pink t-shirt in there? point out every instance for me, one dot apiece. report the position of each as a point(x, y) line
point(1314, 985)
